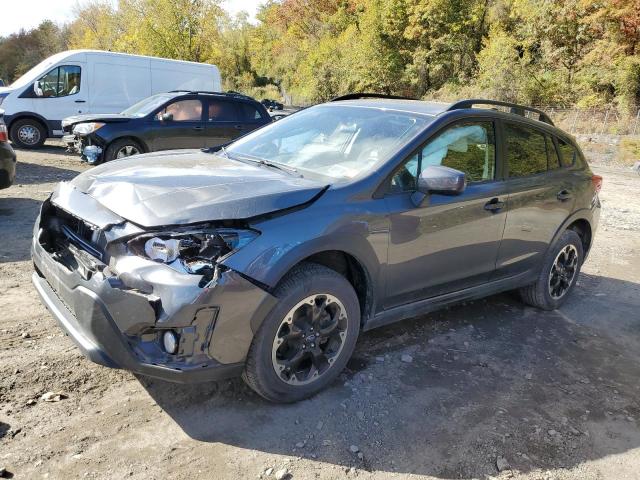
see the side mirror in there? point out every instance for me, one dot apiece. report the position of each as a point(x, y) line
point(166, 117)
point(37, 90)
point(443, 180)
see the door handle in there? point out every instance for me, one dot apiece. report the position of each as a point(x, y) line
point(563, 195)
point(494, 205)
point(81, 101)
point(239, 127)
point(198, 128)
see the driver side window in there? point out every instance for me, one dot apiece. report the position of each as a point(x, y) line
point(59, 82)
point(182, 111)
point(469, 147)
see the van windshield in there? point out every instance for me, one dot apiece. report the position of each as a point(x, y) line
point(340, 142)
point(146, 106)
point(34, 73)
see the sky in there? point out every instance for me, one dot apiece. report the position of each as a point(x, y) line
point(28, 14)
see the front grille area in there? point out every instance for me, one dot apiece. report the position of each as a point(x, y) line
point(60, 228)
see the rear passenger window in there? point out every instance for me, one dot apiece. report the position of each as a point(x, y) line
point(222, 111)
point(526, 150)
point(567, 153)
point(552, 154)
point(250, 112)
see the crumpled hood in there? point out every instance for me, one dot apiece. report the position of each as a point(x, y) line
point(190, 186)
point(96, 117)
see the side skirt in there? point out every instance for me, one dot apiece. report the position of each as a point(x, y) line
point(421, 307)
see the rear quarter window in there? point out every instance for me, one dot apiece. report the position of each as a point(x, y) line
point(250, 112)
point(568, 153)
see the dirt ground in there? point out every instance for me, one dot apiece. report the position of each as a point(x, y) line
point(492, 383)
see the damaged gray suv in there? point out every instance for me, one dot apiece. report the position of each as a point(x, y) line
point(267, 258)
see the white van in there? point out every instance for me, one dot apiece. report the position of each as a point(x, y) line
point(91, 81)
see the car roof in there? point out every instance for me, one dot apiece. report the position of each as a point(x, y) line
point(223, 95)
point(418, 107)
point(434, 109)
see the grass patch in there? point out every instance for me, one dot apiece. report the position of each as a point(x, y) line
point(629, 151)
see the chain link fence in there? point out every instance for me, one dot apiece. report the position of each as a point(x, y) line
point(595, 121)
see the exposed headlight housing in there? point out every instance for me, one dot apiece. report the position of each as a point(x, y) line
point(83, 129)
point(196, 251)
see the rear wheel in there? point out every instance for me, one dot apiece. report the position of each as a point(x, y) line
point(124, 147)
point(559, 273)
point(307, 339)
point(28, 133)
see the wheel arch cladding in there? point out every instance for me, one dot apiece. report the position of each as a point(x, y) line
point(349, 267)
point(28, 116)
point(583, 228)
point(139, 141)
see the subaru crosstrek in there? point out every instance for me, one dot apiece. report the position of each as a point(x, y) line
point(267, 257)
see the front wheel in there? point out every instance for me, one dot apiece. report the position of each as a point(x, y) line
point(306, 340)
point(28, 133)
point(559, 273)
point(124, 147)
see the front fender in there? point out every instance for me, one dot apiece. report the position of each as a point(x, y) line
point(289, 239)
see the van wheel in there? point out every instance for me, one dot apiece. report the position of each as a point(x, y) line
point(558, 275)
point(124, 147)
point(306, 340)
point(28, 133)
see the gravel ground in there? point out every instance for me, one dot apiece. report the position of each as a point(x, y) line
point(486, 389)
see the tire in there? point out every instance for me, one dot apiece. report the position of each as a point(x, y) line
point(539, 294)
point(306, 281)
point(28, 133)
point(120, 145)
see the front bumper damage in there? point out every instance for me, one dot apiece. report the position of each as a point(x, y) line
point(87, 148)
point(117, 311)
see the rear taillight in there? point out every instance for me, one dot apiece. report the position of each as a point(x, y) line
point(3, 133)
point(597, 182)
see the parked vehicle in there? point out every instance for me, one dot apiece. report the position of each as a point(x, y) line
point(87, 81)
point(278, 116)
point(165, 121)
point(272, 104)
point(7, 157)
point(266, 258)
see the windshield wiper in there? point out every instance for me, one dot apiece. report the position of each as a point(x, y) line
point(267, 163)
point(279, 166)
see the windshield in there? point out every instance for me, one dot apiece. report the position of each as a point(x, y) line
point(335, 141)
point(34, 72)
point(146, 106)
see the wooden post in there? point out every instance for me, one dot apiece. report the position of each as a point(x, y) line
point(604, 125)
point(575, 119)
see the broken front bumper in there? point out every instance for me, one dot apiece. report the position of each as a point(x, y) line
point(118, 326)
point(82, 145)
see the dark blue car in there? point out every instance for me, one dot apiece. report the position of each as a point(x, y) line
point(268, 257)
point(166, 121)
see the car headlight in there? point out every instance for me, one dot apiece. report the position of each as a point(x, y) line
point(197, 250)
point(83, 129)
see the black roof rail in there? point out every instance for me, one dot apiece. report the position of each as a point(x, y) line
point(355, 96)
point(514, 108)
point(230, 93)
